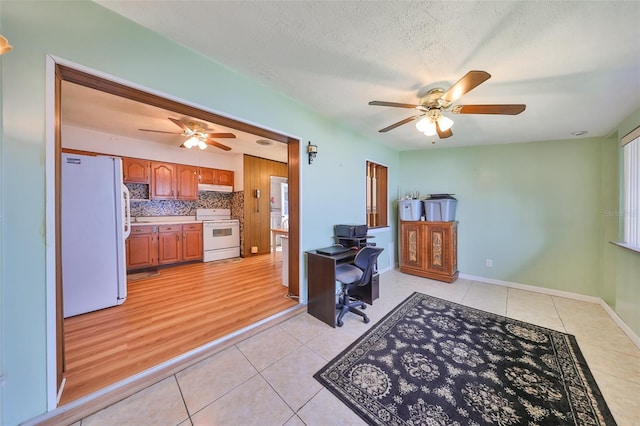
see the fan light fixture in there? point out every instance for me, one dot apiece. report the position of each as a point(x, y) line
point(427, 124)
point(194, 141)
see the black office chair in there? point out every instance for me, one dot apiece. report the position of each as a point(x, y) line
point(353, 275)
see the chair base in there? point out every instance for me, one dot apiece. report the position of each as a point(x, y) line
point(347, 305)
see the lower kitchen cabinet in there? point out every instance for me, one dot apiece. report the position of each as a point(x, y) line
point(169, 244)
point(142, 247)
point(192, 241)
point(429, 249)
point(153, 245)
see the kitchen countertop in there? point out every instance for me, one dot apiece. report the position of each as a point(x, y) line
point(163, 220)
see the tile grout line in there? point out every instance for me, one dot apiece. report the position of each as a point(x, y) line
point(184, 402)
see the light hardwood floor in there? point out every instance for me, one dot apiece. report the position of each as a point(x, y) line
point(182, 308)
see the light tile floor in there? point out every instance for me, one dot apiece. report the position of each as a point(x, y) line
point(267, 379)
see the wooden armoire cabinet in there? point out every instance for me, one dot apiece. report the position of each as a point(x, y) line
point(429, 249)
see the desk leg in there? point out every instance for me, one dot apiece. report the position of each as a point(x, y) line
point(322, 288)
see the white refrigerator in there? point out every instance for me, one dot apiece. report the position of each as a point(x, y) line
point(95, 223)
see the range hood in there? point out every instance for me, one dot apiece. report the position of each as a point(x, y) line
point(214, 188)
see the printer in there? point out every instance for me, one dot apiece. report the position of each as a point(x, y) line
point(350, 231)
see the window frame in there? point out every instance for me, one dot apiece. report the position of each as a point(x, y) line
point(376, 195)
point(630, 146)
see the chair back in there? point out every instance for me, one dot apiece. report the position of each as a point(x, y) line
point(366, 260)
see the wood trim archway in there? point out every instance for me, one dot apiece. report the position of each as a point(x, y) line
point(64, 73)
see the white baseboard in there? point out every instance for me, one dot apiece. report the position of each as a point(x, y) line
point(560, 293)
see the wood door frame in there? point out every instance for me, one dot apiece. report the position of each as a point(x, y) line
point(69, 74)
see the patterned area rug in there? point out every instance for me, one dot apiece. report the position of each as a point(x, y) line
point(435, 362)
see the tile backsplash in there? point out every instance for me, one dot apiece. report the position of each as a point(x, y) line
point(206, 200)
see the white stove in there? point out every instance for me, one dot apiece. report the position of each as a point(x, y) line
point(220, 234)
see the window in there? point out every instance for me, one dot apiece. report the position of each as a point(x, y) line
point(631, 154)
point(377, 197)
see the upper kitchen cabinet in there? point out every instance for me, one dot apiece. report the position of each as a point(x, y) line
point(223, 177)
point(135, 170)
point(216, 176)
point(187, 183)
point(163, 181)
point(173, 181)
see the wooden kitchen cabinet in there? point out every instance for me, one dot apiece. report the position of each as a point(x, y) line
point(163, 181)
point(153, 245)
point(206, 175)
point(223, 177)
point(192, 241)
point(173, 181)
point(169, 244)
point(135, 170)
point(429, 249)
point(187, 182)
point(216, 176)
point(142, 247)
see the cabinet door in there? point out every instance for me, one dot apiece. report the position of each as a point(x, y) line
point(163, 181)
point(223, 177)
point(141, 247)
point(206, 175)
point(135, 170)
point(169, 244)
point(187, 184)
point(413, 245)
point(192, 241)
point(440, 249)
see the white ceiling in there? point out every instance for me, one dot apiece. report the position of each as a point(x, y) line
point(97, 110)
point(576, 65)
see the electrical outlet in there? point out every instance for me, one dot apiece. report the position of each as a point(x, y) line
point(488, 263)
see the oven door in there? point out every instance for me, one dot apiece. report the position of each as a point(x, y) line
point(219, 235)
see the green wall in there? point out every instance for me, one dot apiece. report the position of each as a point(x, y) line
point(87, 34)
point(532, 208)
point(624, 264)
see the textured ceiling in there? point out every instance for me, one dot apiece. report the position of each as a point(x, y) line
point(576, 65)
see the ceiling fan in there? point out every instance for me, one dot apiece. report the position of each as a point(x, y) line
point(197, 135)
point(430, 118)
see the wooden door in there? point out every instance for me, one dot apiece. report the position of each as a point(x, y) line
point(135, 170)
point(192, 241)
point(187, 182)
point(169, 244)
point(142, 247)
point(163, 181)
point(257, 214)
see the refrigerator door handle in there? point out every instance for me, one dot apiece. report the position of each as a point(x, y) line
point(127, 211)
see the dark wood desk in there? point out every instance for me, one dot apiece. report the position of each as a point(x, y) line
point(321, 270)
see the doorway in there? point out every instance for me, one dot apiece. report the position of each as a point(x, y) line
point(70, 74)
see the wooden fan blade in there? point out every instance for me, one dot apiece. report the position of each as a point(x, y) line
point(179, 123)
point(443, 133)
point(221, 135)
point(398, 124)
point(471, 80)
point(392, 104)
point(505, 109)
point(160, 131)
point(218, 145)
